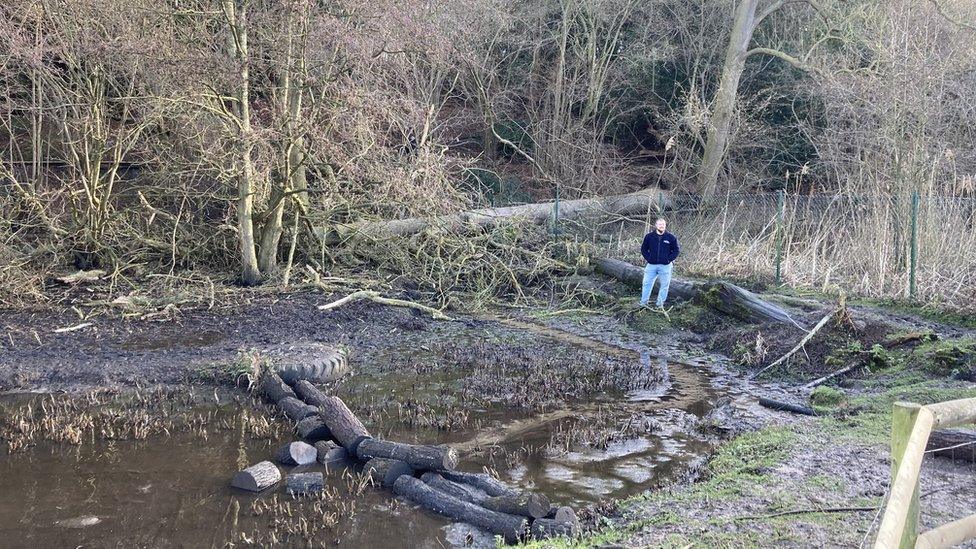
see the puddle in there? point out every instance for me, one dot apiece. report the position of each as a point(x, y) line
point(580, 420)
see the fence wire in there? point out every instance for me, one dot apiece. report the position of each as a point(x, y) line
point(859, 245)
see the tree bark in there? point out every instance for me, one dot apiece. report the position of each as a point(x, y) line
point(456, 489)
point(482, 481)
point(786, 407)
point(722, 296)
point(257, 477)
point(510, 527)
point(633, 203)
point(313, 429)
point(385, 471)
point(424, 458)
point(329, 452)
point(237, 20)
point(953, 443)
point(345, 426)
point(304, 483)
point(723, 103)
point(295, 409)
point(274, 388)
point(526, 504)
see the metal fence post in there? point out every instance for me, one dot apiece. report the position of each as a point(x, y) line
point(780, 207)
point(913, 258)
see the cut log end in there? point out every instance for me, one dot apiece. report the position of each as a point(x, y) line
point(258, 477)
point(297, 453)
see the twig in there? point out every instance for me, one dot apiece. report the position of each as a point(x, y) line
point(806, 338)
point(377, 298)
point(805, 511)
point(72, 328)
point(829, 376)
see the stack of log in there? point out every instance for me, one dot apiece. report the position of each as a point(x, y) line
point(423, 474)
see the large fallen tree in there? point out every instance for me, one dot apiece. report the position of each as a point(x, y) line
point(643, 201)
point(719, 295)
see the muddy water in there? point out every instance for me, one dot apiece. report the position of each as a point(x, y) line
point(616, 422)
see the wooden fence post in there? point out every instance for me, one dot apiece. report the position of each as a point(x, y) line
point(903, 418)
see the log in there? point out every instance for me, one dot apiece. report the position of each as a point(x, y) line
point(786, 407)
point(722, 296)
point(543, 528)
point(297, 453)
point(482, 481)
point(423, 458)
point(461, 491)
point(295, 409)
point(304, 483)
point(953, 443)
point(526, 504)
point(330, 453)
point(313, 429)
point(643, 201)
point(385, 471)
point(273, 388)
point(510, 527)
point(257, 477)
point(563, 513)
point(344, 425)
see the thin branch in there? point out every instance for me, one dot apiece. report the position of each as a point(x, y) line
point(949, 18)
point(785, 57)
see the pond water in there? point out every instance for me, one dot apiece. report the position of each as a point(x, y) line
point(577, 419)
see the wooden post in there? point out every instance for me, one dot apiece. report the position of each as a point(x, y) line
point(903, 418)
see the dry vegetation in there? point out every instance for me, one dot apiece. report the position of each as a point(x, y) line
point(212, 139)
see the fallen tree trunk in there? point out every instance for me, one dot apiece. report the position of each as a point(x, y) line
point(642, 201)
point(482, 481)
point(385, 471)
point(313, 429)
point(274, 388)
point(953, 443)
point(456, 489)
point(295, 409)
point(786, 407)
point(722, 296)
point(526, 504)
point(424, 458)
point(344, 425)
point(510, 527)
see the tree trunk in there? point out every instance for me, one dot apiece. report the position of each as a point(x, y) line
point(538, 213)
point(543, 528)
point(723, 104)
point(237, 20)
point(304, 483)
point(722, 296)
point(456, 489)
point(953, 443)
point(295, 409)
point(274, 388)
point(510, 527)
point(482, 481)
point(313, 429)
point(330, 453)
point(385, 472)
point(345, 426)
point(424, 458)
point(526, 504)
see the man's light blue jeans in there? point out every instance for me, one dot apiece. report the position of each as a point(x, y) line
point(651, 273)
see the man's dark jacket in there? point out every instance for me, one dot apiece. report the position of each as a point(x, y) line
point(660, 249)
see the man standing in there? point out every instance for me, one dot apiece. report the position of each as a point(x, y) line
point(659, 249)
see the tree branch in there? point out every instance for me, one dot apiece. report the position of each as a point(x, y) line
point(949, 18)
point(785, 57)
